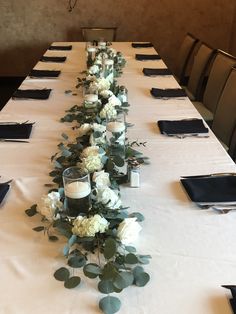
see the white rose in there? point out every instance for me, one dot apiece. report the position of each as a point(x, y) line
point(84, 129)
point(92, 163)
point(106, 93)
point(128, 231)
point(90, 151)
point(108, 111)
point(108, 197)
point(94, 69)
point(101, 179)
point(88, 227)
point(114, 101)
point(49, 204)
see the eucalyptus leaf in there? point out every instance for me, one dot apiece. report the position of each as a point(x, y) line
point(109, 271)
point(123, 280)
point(130, 249)
point(65, 136)
point(72, 282)
point(62, 274)
point(139, 216)
point(144, 259)
point(106, 286)
point(109, 248)
point(109, 305)
point(66, 250)
point(72, 239)
point(97, 134)
point(77, 261)
point(39, 228)
point(119, 161)
point(53, 238)
point(141, 279)
point(31, 211)
point(92, 270)
point(131, 259)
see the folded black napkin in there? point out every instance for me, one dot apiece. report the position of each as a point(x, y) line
point(150, 72)
point(3, 191)
point(53, 59)
point(142, 57)
point(233, 300)
point(142, 45)
point(60, 47)
point(193, 126)
point(15, 131)
point(31, 94)
point(44, 73)
point(168, 92)
point(211, 189)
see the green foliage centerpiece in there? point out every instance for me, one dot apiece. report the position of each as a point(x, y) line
point(108, 231)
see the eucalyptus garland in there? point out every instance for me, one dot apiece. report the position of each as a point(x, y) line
point(101, 242)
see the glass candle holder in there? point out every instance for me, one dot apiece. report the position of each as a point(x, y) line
point(91, 101)
point(77, 190)
point(91, 54)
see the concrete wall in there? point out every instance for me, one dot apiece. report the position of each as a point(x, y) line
point(28, 27)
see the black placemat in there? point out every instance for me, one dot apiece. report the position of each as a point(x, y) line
point(3, 191)
point(142, 45)
point(190, 126)
point(168, 92)
point(211, 189)
point(15, 131)
point(32, 94)
point(60, 47)
point(144, 57)
point(44, 73)
point(154, 72)
point(232, 301)
point(53, 59)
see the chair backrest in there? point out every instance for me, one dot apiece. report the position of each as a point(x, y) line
point(202, 60)
point(225, 115)
point(99, 33)
point(232, 144)
point(184, 55)
point(218, 75)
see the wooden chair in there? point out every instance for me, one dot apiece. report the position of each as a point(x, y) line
point(225, 115)
point(184, 56)
point(99, 34)
point(202, 61)
point(218, 75)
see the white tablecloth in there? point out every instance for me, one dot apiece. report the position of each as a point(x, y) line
point(193, 251)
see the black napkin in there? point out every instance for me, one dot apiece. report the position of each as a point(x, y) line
point(150, 72)
point(15, 131)
point(3, 191)
point(31, 94)
point(142, 57)
point(233, 300)
point(142, 45)
point(44, 73)
point(53, 59)
point(182, 126)
point(168, 92)
point(211, 189)
point(60, 47)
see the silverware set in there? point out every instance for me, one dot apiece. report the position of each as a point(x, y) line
point(196, 135)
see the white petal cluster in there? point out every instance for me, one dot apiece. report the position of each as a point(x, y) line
point(106, 93)
point(128, 231)
point(102, 84)
point(88, 227)
point(114, 101)
point(108, 111)
point(84, 129)
point(109, 198)
point(48, 205)
point(94, 69)
point(101, 179)
point(92, 163)
point(90, 151)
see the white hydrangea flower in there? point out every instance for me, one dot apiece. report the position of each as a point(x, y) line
point(84, 129)
point(91, 78)
point(108, 111)
point(94, 69)
point(128, 231)
point(114, 101)
point(90, 151)
point(101, 179)
point(108, 197)
point(91, 163)
point(106, 93)
point(49, 204)
point(88, 227)
point(103, 84)
point(98, 127)
point(98, 62)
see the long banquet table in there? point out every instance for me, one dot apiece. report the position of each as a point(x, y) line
point(193, 251)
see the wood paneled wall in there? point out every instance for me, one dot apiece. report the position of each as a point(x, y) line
point(28, 27)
